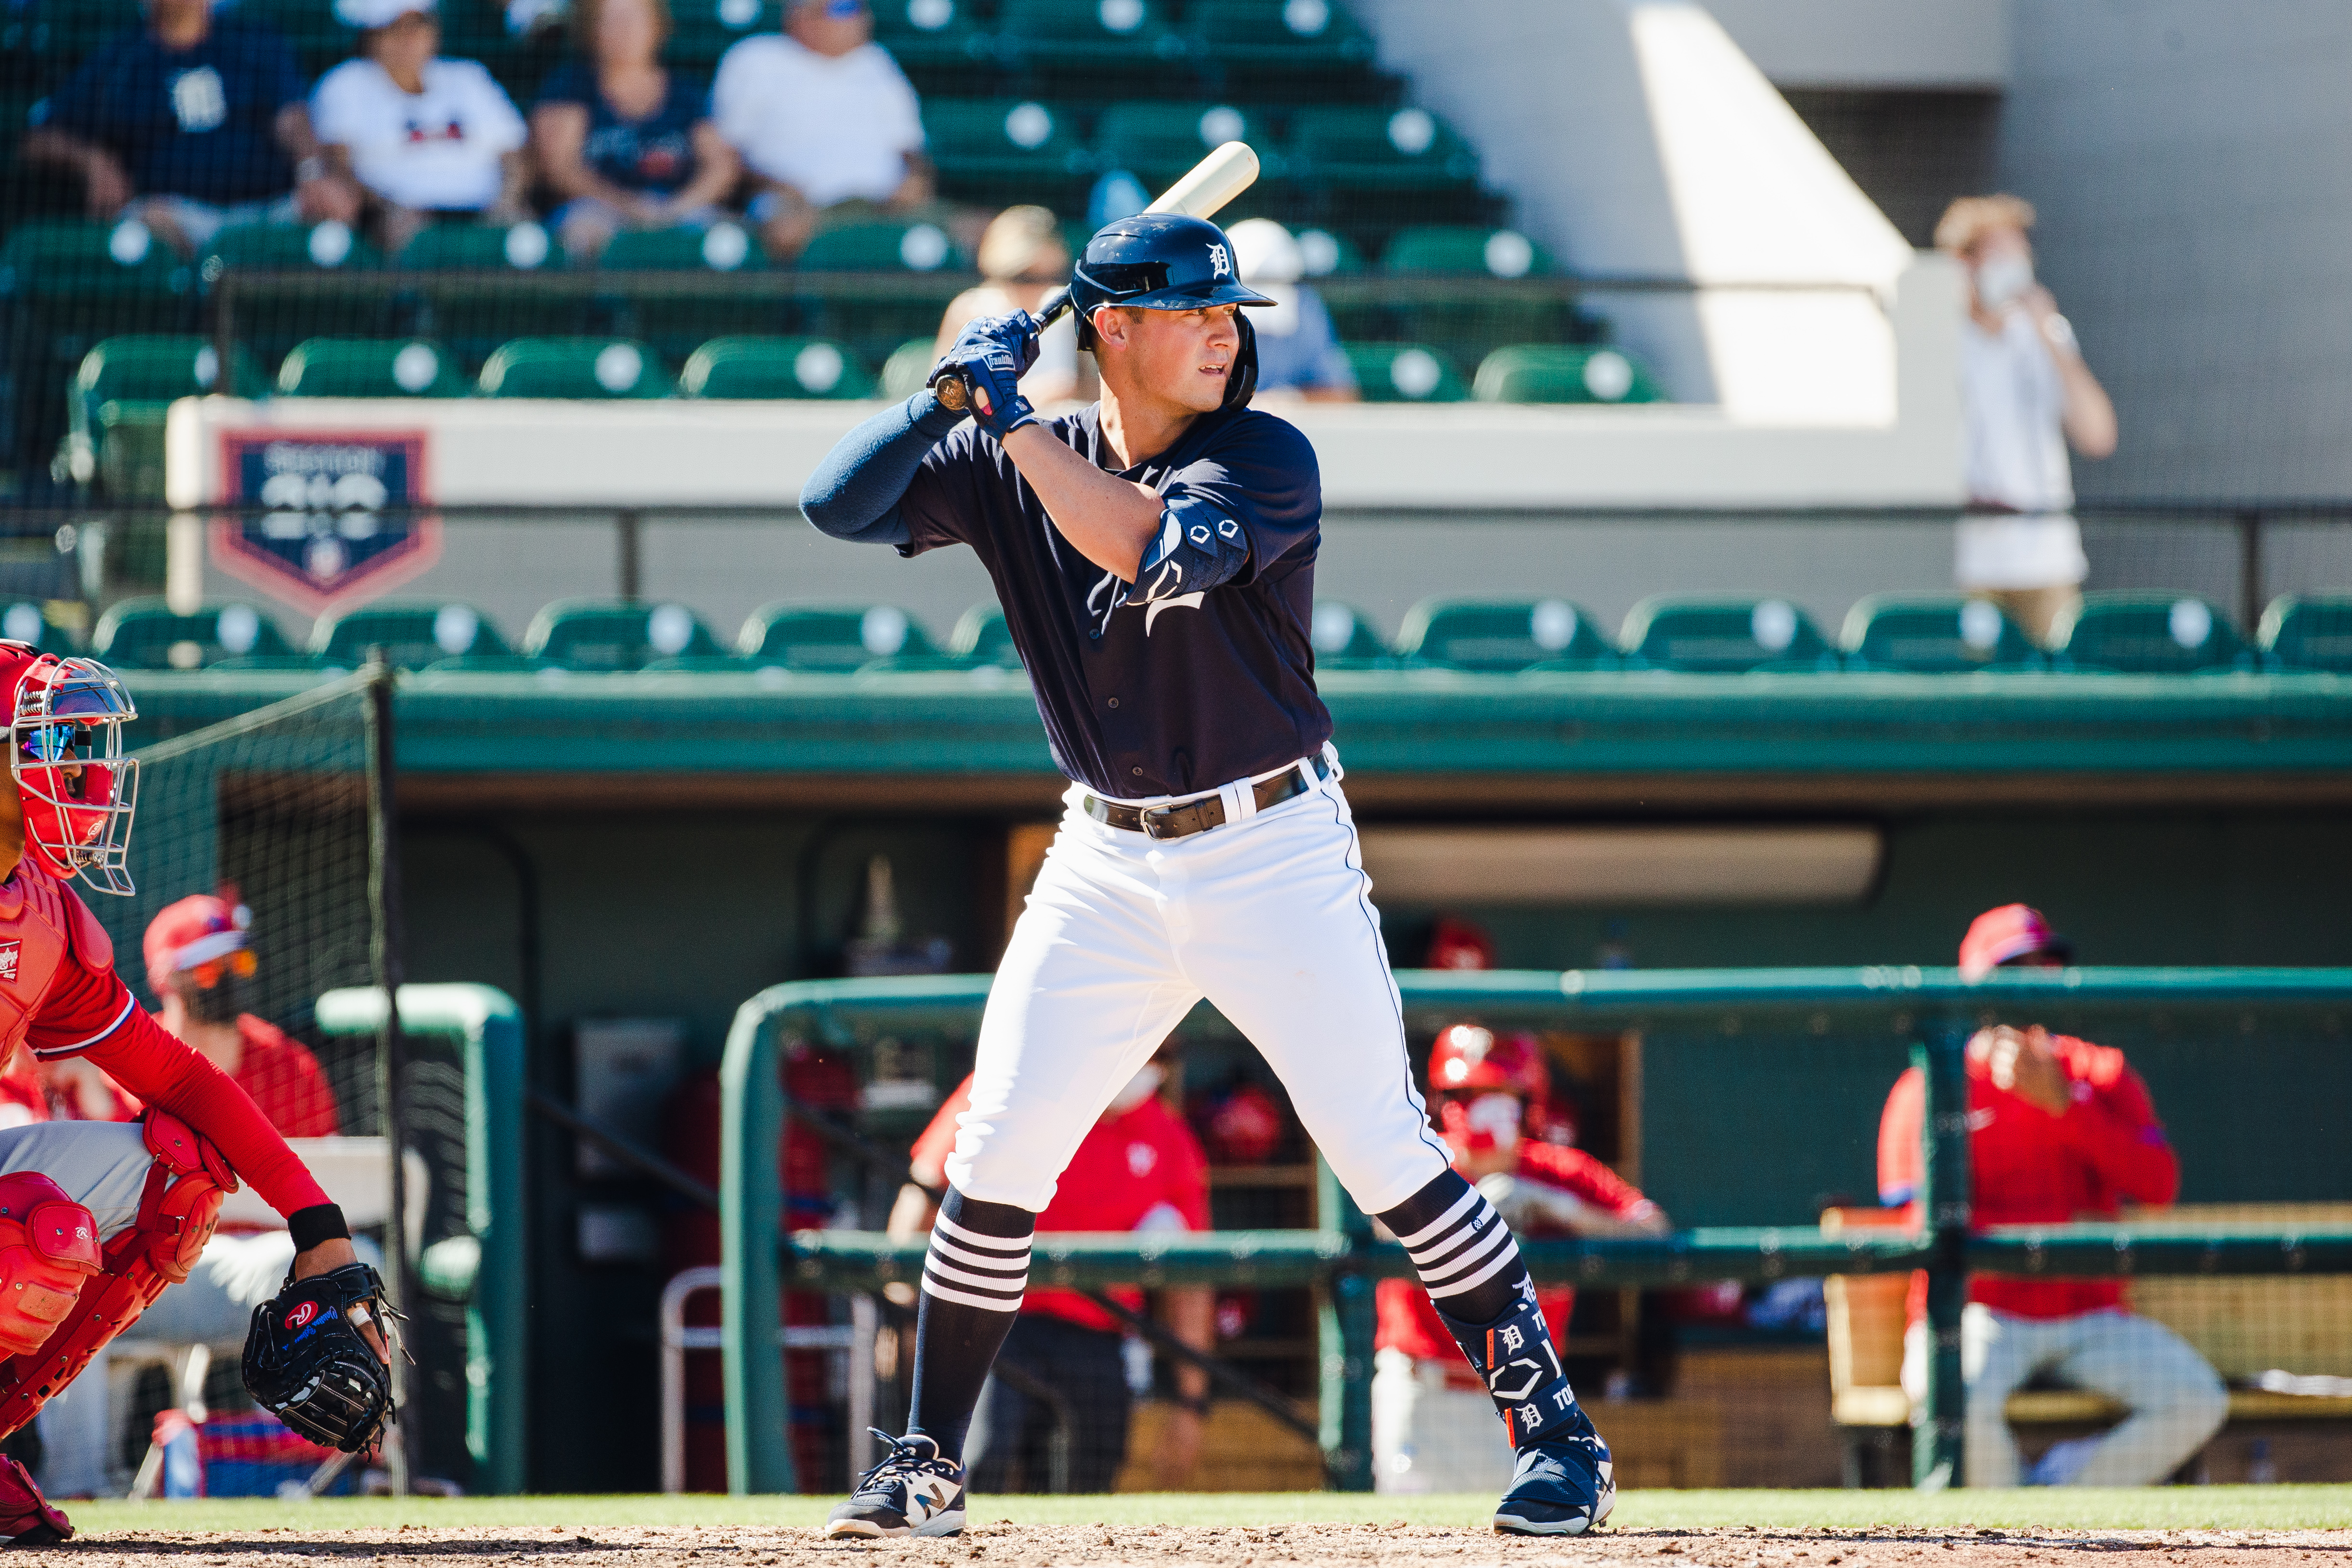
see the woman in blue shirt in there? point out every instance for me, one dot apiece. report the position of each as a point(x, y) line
point(623, 141)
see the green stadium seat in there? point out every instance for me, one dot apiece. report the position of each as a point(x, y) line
point(981, 637)
point(1262, 40)
point(287, 247)
point(412, 633)
point(832, 637)
point(369, 367)
point(120, 397)
point(615, 634)
point(1502, 636)
point(1328, 255)
point(773, 368)
point(718, 665)
point(908, 369)
point(498, 664)
point(2308, 634)
point(1404, 373)
point(882, 247)
point(1102, 40)
point(935, 38)
point(1455, 250)
point(703, 30)
point(1345, 639)
point(1673, 631)
point(26, 621)
point(242, 664)
point(1375, 149)
point(149, 635)
point(1939, 632)
point(481, 248)
point(721, 248)
point(1562, 373)
point(69, 259)
point(2148, 633)
point(1007, 146)
point(1158, 142)
point(592, 368)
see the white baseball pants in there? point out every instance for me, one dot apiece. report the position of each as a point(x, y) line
point(2176, 1400)
point(1429, 1438)
point(1270, 917)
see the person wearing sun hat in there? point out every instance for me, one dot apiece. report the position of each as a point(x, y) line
point(199, 954)
point(2059, 1130)
point(427, 138)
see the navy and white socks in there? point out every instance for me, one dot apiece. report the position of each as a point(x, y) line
point(974, 1273)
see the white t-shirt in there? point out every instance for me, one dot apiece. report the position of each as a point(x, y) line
point(2013, 455)
point(438, 148)
point(835, 128)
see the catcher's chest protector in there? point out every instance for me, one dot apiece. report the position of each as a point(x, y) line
point(177, 1209)
point(41, 922)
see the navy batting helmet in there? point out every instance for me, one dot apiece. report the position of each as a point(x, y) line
point(1166, 261)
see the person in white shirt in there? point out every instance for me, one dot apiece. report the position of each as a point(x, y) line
point(424, 136)
point(1298, 351)
point(2026, 396)
point(1023, 259)
point(824, 120)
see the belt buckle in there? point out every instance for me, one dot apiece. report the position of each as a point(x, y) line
point(1153, 817)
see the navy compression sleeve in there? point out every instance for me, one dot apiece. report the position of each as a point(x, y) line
point(854, 492)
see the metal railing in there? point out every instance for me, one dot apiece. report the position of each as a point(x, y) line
point(1934, 1010)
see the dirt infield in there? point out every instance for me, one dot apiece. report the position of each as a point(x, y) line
point(1008, 1545)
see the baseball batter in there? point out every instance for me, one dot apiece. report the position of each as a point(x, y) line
point(1155, 556)
point(97, 1219)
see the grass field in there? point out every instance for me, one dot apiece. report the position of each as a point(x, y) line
point(2302, 1508)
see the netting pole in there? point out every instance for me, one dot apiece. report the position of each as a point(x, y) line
point(1345, 1328)
point(386, 961)
point(751, 1230)
point(1939, 1429)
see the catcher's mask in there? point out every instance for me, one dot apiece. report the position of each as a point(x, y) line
point(65, 752)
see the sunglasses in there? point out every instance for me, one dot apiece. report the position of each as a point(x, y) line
point(208, 974)
point(53, 742)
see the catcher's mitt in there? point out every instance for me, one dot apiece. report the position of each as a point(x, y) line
point(306, 1363)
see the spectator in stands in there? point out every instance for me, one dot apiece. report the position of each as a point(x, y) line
point(1433, 1426)
point(2026, 395)
point(624, 141)
point(1139, 1169)
point(1299, 353)
point(197, 959)
point(828, 125)
point(1024, 258)
point(425, 137)
point(190, 124)
point(2059, 1130)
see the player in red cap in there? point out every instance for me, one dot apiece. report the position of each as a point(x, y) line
point(1432, 1421)
point(2059, 1130)
point(96, 1218)
point(1138, 1168)
point(199, 954)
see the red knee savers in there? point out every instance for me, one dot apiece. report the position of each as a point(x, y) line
point(48, 1251)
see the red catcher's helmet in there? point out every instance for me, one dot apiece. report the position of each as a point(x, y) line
point(65, 753)
point(1468, 1059)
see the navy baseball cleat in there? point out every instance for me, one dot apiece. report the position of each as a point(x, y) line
point(1564, 1486)
point(913, 1491)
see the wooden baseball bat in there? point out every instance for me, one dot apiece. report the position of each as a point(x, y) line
point(1206, 188)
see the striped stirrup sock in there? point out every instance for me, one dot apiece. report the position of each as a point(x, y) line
point(1464, 1253)
point(975, 1269)
point(974, 1274)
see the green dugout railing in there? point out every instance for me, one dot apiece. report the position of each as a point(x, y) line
point(1931, 1010)
point(486, 1268)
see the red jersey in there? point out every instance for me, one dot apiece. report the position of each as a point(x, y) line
point(1408, 1319)
point(282, 1077)
point(2029, 1167)
point(61, 996)
point(1133, 1162)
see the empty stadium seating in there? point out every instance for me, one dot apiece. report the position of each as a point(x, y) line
point(2313, 634)
point(808, 637)
point(412, 633)
point(1560, 372)
point(773, 368)
point(369, 367)
point(1502, 636)
point(1345, 639)
point(2148, 633)
point(574, 368)
point(1941, 632)
point(981, 637)
point(149, 635)
point(615, 634)
point(1722, 635)
point(121, 393)
point(1404, 373)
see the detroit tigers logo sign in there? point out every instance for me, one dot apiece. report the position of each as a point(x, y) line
point(1221, 262)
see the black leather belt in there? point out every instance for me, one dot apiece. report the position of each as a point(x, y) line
point(1202, 812)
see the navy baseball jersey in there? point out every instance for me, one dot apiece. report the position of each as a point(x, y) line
point(1179, 695)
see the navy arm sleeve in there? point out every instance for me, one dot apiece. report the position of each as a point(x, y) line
point(1249, 503)
point(854, 492)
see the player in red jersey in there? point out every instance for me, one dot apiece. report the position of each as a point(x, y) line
point(198, 955)
point(97, 1218)
point(1433, 1422)
point(2059, 1130)
point(1140, 1168)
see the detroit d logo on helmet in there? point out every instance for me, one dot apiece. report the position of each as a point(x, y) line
point(1221, 262)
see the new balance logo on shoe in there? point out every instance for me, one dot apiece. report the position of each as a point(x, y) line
point(915, 1490)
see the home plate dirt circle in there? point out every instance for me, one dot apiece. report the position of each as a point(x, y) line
point(1006, 1545)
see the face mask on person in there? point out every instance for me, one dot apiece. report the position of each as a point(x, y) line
point(1140, 1088)
point(1487, 1121)
point(2002, 278)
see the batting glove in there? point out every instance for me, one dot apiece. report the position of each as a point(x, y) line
point(991, 354)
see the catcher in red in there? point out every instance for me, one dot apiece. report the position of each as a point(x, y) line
point(97, 1219)
point(1433, 1427)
